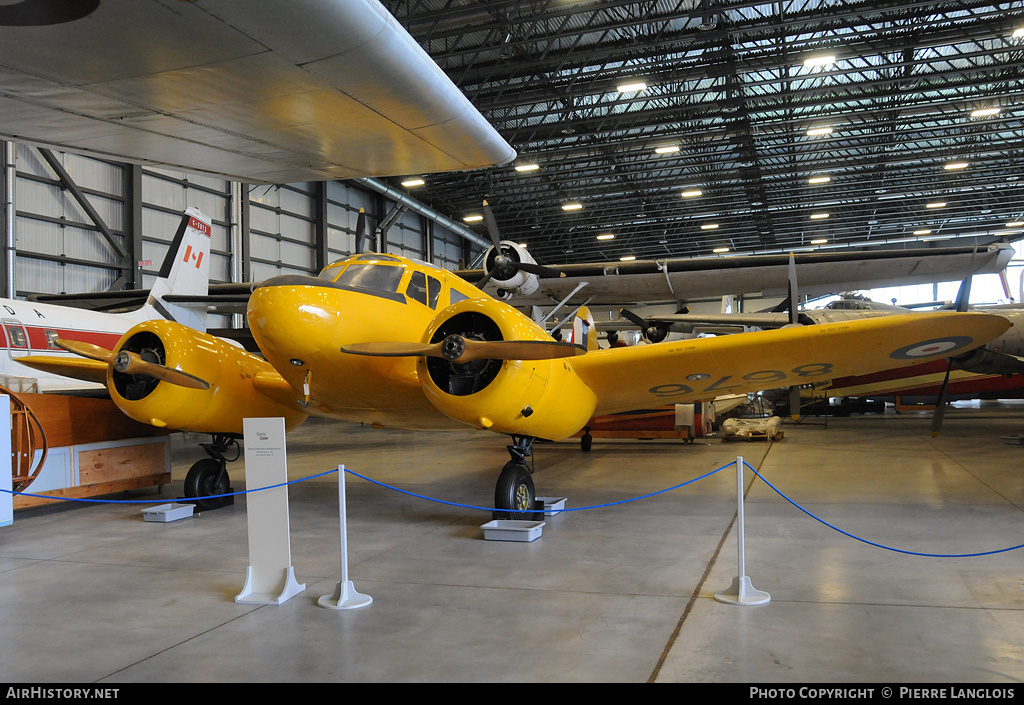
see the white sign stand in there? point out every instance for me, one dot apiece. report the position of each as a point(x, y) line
point(6, 482)
point(345, 596)
point(741, 592)
point(270, 578)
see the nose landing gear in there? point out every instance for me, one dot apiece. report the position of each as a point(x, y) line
point(514, 494)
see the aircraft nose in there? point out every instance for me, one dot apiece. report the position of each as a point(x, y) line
point(290, 321)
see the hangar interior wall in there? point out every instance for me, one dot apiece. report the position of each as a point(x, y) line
point(86, 225)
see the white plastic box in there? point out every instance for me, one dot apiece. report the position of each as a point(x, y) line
point(512, 530)
point(168, 512)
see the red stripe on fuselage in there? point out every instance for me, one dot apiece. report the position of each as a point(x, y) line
point(39, 342)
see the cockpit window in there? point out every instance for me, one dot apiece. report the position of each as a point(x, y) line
point(330, 272)
point(375, 278)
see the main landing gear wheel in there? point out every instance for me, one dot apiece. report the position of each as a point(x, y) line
point(208, 477)
point(514, 491)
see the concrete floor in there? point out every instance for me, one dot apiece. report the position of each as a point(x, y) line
point(94, 594)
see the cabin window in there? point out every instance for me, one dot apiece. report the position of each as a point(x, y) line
point(16, 335)
point(51, 339)
point(434, 289)
point(417, 289)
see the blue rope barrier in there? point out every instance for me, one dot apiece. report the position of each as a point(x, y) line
point(878, 545)
point(534, 511)
point(150, 501)
point(556, 511)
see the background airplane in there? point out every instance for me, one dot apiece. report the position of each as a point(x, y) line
point(31, 328)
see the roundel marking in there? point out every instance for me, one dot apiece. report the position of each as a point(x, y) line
point(927, 348)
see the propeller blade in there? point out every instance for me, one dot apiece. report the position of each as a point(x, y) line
point(538, 269)
point(492, 226)
point(93, 352)
point(361, 234)
point(632, 317)
point(940, 405)
point(794, 298)
point(461, 350)
point(132, 364)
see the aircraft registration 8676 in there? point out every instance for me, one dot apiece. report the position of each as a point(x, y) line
point(394, 342)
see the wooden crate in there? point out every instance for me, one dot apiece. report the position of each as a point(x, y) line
point(93, 449)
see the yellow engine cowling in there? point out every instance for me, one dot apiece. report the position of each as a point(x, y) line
point(539, 398)
point(233, 375)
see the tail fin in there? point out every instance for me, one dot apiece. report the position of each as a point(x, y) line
point(584, 332)
point(185, 273)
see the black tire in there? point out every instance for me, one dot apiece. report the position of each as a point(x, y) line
point(207, 477)
point(586, 441)
point(514, 491)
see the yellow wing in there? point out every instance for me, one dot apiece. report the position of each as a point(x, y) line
point(74, 367)
point(702, 368)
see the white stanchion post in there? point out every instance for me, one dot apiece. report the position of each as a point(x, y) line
point(741, 592)
point(345, 596)
point(270, 578)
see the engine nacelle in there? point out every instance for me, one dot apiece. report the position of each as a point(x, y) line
point(539, 398)
point(509, 280)
point(232, 373)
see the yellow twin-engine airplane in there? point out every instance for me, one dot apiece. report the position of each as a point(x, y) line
point(395, 342)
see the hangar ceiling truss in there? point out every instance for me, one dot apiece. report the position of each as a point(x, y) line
point(730, 100)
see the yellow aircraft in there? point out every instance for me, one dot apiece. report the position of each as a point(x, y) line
point(394, 342)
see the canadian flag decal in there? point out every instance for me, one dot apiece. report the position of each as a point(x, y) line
point(190, 256)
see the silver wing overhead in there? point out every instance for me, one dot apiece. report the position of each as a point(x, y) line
point(679, 279)
point(260, 91)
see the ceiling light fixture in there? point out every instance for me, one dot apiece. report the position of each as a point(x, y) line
point(413, 182)
point(571, 206)
point(631, 87)
point(606, 236)
point(473, 218)
point(819, 216)
point(818, 131)
point(1015, 224)
point(984, 112)
point(720, 250)
point(819, 179)
point(1018, 33)
point(936, 204)
point(819, 241)
point(527, 167)
point(820, 60)
point(667, 149)
point(627, 258)
point(922, 232)
point(691, 193)
point(709, 226)
point(953, 166)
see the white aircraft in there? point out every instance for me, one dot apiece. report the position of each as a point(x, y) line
point(31, 328)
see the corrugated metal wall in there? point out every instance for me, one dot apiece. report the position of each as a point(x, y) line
point(292, 228)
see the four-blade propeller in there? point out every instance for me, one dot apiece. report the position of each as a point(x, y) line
point(504, 266)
